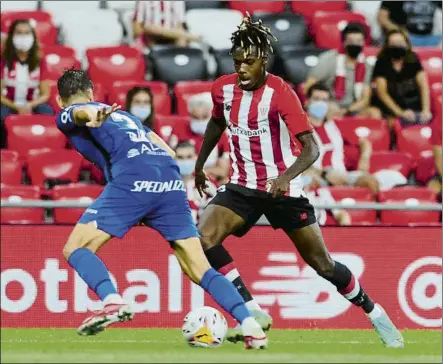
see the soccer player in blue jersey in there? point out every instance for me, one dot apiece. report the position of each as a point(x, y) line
point(143, 184)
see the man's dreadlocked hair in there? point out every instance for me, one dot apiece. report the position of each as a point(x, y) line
point(251, 34)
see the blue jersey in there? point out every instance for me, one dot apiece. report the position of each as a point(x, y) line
point(120, 146)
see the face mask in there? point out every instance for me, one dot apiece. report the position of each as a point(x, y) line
point(23, 42)
point(318, 109)
point(186, 166)
point(142, 112)
point(198, 126)
point(395, 52)
point(353, 50)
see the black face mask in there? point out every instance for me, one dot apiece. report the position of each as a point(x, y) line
point(353, 50)
point(395, 52)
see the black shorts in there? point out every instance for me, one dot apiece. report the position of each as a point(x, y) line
point(287, 213)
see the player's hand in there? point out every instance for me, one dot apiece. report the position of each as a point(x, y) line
point(102, 115)
point(278, 187)
point(201, 180)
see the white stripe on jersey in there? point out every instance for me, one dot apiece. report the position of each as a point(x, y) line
point(244, 141)
point(228, 95)
point(266, 138)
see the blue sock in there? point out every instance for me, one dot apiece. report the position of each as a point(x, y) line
point(225, 294)
point(93, 271)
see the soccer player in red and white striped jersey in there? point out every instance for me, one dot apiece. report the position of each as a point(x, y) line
point(264, 118)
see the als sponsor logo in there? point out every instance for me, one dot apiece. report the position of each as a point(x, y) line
point(133, 153)
point(420, 291)
point(296, 289)
point(158, 187)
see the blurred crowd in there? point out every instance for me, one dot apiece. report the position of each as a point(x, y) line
point(374, 75)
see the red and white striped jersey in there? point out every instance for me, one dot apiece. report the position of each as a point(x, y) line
point(331, 145)
point(261, 127)
point(169, 14)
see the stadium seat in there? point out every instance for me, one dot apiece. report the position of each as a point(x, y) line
point(425, 169)
point(353, 128)
point(44, 28)
point(397, 161)
point(121, 5)
point(351, 196)
point(33, 131)
point(75, 192)
point(97, 175)
point(111, 64)
point(11, 168)
point(225, 64)
point(202, 4)
point(58, 58)
point(54, 166)
point(328, 32)
point(219, 36)
point(290, 29)
point(298, 61)
point(414, 140)
point(162, 100)
point(185, 89)
point(61, 10)
point(431, 60)
point(436, 102)
point(336, 17)
point(257, 6)
point(173, 64)
point(309, 8)
point(165, 124)
point(410, 196)
point(8, 6)
point(21, 215)
point(371, 54)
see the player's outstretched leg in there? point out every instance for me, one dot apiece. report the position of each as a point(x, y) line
point(192, 259)
point(79, 251)
point(310, 244)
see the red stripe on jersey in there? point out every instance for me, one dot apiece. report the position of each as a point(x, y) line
point(274, 127)
point(255, 143)
point(235, 109)
point(326, 161)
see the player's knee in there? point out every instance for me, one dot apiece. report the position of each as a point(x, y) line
point(323, 266)
point(210, 236)
point(191, 258)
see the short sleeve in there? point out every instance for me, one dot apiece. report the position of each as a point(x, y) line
point(380, 69)
point(217, 100)
point(65, 119)
point(325, 66)
point(291, 111)
point(368, 74)
point(416, 65)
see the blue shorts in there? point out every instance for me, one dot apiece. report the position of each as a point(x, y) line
point(157, 198)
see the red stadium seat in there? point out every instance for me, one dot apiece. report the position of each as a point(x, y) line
point(436, 103)
point(425, 169)
point(7, 155)
point(397, 161)
point(165, 124)
point(352, 195)
point(55, 165)
point(431, 61)
point(21, 215)
point(44, 28)
point(355, 128)
point(257, 6)
point(327, 32)
point(11, 170)
point(58, 58)
point(162, 100)
point(97, 175)
point(110, 64)
point(77, 192)
point(336, 17)
point(309, 8)
point(27, 132)
point(371, 54)
point(414, 140)
point(185, 89)
point(410, 196)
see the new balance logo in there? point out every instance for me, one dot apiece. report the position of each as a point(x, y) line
point(297, 289)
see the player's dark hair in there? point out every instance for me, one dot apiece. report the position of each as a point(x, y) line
point(10, 54)
point(149, 121)
point(317, 87)
point(353, 27)
point(185, 144)
point(73, 82)
point(250, 34)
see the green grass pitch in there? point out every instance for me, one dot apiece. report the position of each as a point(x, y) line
point(168, 346)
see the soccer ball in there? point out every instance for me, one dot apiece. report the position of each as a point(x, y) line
point(204, 327)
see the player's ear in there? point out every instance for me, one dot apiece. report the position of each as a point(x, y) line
point(59, 102)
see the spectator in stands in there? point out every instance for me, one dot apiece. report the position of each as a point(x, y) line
point(401, 85)
point(186, 157)
point(200, 110)
point(140, 103)
point(346, 74)
point(23, 85)
point(330, 166)
point(416, 17)
point(162, 22)
point(435, 183)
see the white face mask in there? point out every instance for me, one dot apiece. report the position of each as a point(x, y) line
point(198, 126)
point(142, 112)
point(23, 42)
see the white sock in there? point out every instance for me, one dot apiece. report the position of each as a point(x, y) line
point(375, 313)
point(253, 305)
point(113, 298)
